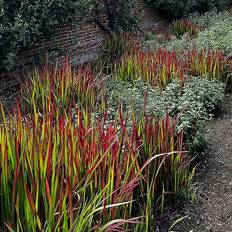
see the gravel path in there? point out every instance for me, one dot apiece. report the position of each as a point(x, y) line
point(213, 210)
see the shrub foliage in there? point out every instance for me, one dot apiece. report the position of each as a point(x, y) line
point(23, 22)
point(177, 8)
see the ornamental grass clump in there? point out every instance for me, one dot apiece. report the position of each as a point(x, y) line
point(167, 176)
point(213, 64)
point(155, 68)
point(180, 27)
point(115, 46)
point(161, 67)
point(64, 177)
point(57, 175)
point(60, 87)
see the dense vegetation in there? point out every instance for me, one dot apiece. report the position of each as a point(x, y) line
point(211, 31)
point(179, 8)
point(110, 146)
point(24, 22)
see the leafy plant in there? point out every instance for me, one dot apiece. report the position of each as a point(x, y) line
point(209, 18)
point(63, 88)
point(195, 106)
point(180, 27)
point(23, 23)
point(217, 37)
point(172, 8)
point(115, 46)
point(80, 176)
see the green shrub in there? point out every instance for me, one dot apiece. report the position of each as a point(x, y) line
point(217, 36)
point(209, 18)
point(193, 104)
point(172, 8)
point(24, 22)
point(184, 43)
point(177, 8)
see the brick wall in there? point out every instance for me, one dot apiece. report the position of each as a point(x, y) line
point(84, 42)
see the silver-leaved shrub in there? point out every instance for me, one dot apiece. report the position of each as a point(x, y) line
point(194, 104)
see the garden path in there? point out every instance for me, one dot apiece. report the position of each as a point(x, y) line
point(213, 210)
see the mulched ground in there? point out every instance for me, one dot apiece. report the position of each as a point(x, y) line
point(212, 210)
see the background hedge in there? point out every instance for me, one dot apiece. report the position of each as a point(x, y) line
point(177, 8)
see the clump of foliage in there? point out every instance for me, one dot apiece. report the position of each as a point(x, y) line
point(160, 67)
point(199, 100)
point(62, 177)
point(62, 87)
point(23, 23)
point(209, 18)
point(156, 68)
point(217, 37)
point(115, 46)
point(181, 27)
point(185, 43)
point(216, 33)
point(193, 103)
point(178, 8)
point(212, 64)
point(59, 174)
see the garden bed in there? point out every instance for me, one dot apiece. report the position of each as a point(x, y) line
point(111, 147)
